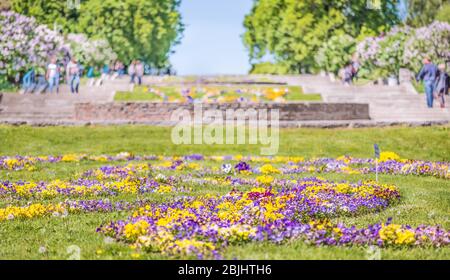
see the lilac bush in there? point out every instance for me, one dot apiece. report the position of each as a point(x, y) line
point(432, 40)
point(93, 52)
point(390, 55)
point(404, 47)
point(25, 44)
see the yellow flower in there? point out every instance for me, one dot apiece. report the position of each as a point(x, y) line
point(269, 169)
point(395, 234)
point(264, 179)
point(385, 156)
point(165, 189)
point(133, 231)
point(135, 255)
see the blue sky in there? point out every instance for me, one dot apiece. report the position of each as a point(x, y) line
point(212, 41)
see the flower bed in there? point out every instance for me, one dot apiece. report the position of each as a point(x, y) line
point(202, 227)
point(267, 199)
point(389, 163)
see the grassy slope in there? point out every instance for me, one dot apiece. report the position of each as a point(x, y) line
point(424, 200)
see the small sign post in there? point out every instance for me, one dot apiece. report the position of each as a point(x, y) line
point(377, 156)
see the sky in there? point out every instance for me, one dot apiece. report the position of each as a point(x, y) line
point(212, 42)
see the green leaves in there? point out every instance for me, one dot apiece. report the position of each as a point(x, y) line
point(293, 31)
point(135, 29)
point(335, 53)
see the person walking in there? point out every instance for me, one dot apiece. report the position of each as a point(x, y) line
point(104, 76)
point(73, 73)
point(91, 76)
point(52, 75)
point(115, 68)
point(139, 71)
point(348, 74)
point(355, 65)
point(428, 75)
point(132, 71)
point(441, 85)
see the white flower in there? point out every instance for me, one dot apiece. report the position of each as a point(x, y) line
point(161, 178)
point(42, 249)
point(226, 168)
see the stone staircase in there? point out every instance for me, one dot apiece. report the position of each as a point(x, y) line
point(43, 109)
point(388, 104)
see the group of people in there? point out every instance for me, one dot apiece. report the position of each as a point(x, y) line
point(55, 72)
point(136, 70)
point(350, 71)
point(74, 71)
point(436, 82)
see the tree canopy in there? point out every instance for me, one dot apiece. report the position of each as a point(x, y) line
point(423, 12)
point(136, 29)
point(293, 31)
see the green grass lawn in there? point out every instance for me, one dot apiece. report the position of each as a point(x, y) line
point(173, 93)
point(425, 200)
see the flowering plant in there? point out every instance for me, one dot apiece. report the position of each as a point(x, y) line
point(432, 41)
point(390, 54)
point(25, 44)
point(91, 51)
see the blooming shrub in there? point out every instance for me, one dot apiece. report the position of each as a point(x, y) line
point(390, 54)
point(25, 44)
point(432, 41)
point(94, 52)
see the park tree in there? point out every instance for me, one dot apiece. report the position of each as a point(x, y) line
point(293, 31)
point(423, 12)
point(444, 13)
point(59, 14)
point(135, 29)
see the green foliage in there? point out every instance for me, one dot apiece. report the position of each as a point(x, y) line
point(294, 30)
point(423, 12)
point(444, 13)
point(335, 53)
point(135, 29)
point(5, 85)
point(50, 12)
point(143, 29)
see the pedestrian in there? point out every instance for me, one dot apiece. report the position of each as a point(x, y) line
point(91, 76)
point(428, 75)
point(73, 73)
point(52, 75)
point(104, 75)
point(132, 71)
point(441, 85)
point(139, 71)
point(355, 66)
point(348, 74)
point(116, 69)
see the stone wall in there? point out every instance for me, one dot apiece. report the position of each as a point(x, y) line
point(153, 111)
